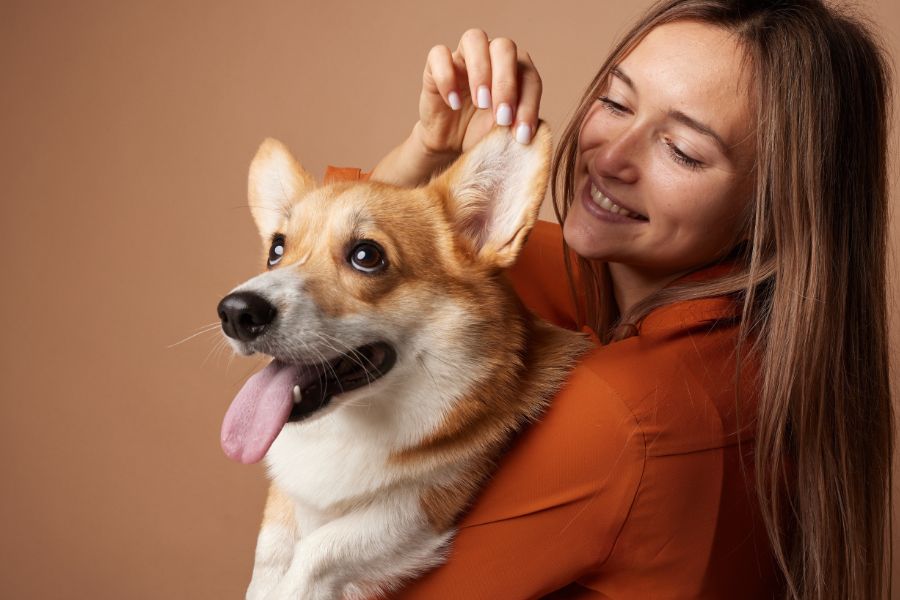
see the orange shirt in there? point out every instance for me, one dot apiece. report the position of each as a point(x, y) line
point(631, 485)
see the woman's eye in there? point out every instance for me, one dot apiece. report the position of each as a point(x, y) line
point(682, 158)
point(367, 256)
point(276, 251)
point(612, 106)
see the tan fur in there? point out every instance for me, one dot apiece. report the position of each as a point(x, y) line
point(503, 251)
point(279, 508)
point(533, 365)
point(443, 290)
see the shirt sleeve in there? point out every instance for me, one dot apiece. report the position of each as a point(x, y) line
point(553, 510)
point(334, 174)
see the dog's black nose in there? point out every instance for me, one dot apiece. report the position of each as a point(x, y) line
point(245, 315)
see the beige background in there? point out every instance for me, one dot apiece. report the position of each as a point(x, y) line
point(126, 130)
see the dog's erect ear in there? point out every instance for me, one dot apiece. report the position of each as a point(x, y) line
point(495, 192)
point(276, 181)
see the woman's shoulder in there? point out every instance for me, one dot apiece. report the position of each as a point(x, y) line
point(676, 380)
point(565, 487)
point(586, 437)
point(670, 389)
point(678, 377)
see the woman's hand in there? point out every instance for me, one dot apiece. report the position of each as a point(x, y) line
point(463, 94)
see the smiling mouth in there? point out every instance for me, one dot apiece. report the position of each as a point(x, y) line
point(348, 372)
point(608, 205)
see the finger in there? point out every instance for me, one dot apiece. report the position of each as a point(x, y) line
point(475, 56)
point(439, 67)
point(504, 73)
point(530, 90)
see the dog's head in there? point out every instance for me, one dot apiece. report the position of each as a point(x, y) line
point(370, 287)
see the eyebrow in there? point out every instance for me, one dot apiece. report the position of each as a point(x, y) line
point(678, 115)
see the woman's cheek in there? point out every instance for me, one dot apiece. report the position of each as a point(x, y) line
point(592, 128)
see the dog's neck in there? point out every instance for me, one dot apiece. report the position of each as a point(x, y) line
point(528, 363)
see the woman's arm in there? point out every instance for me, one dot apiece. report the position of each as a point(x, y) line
point(412, 163)
point(464, 93)
point(553, 510)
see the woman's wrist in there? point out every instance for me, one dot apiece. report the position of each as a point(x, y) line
point(411, 163)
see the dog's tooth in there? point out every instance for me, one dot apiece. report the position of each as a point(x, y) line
point(296, 393)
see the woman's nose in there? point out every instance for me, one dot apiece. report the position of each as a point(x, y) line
point(618, 156)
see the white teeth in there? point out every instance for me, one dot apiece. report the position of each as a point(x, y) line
point(296, 394)
point(607, 204)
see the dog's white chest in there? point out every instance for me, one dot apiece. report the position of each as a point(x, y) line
point(321, 464)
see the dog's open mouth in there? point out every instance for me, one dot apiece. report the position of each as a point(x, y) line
point(284, 392)
point(343, 374)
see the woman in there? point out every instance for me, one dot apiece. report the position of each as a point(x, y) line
point(722, 185)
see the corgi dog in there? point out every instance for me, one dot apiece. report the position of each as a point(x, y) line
point(403, 363)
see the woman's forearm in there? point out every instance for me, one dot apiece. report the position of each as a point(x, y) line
point(411, 164)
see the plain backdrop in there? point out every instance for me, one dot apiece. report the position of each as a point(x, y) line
point(126, 130)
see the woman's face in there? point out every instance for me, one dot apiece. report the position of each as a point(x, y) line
point(670, 144)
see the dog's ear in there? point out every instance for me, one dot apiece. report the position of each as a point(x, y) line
point(276, 181)
point(495, 191)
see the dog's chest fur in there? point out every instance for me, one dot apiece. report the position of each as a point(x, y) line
point(432, 459)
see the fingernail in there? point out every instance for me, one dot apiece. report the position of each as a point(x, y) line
point(504, 114)
point(453, 97)
point(523, 133)
point(484, 97)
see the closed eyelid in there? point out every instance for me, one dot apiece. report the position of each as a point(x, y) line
point(700, 128)
point(678, 115)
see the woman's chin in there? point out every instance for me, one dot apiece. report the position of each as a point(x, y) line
point(582, 238)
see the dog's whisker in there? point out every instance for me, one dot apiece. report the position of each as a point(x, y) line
point(331, 346)
point(358, 404)
point(351, 354)
point(307, 350)
point(437, 388)
point(320, 374)
point(230, 358)
point(213, 324)
point(437, 358)
point(326, 364)
point(259, 207)
point(220, 353)
point(208, 329)
point(215, 348)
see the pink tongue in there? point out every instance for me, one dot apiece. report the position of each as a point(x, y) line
point(258, 413)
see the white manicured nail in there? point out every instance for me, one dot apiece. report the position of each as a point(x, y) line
point(504, 114)
point(484, 97)
point(523, 133)
point(453, 97)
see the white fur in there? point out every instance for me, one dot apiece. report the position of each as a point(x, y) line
point(274, 552)
point(275, 182)
point(491, 190)
point(360, 525)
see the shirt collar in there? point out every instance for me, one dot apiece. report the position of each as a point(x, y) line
point(688, 313)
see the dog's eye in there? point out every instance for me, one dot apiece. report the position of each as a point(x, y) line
point(276, 251)
point(367, 256)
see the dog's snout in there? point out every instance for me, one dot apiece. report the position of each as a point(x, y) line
point(245, 315)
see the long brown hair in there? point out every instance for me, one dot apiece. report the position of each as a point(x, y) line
point(810, 277)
